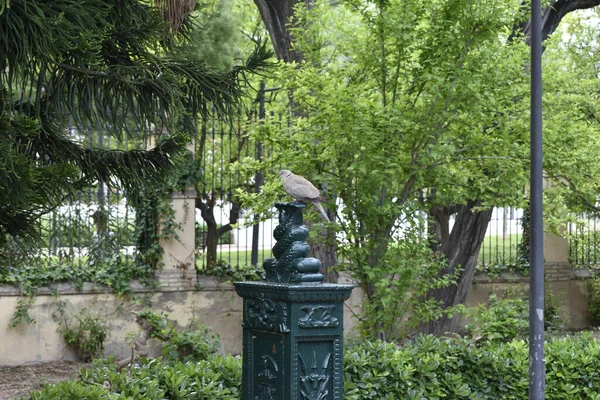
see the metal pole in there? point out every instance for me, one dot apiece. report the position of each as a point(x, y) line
point(258, 178)
point(537, 373)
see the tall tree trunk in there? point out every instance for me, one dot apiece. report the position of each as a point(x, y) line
point(324, 248)
point(438, 225)
point(276, 15)
point(213, 231)
point(461, 250)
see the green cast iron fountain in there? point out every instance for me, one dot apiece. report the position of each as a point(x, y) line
point(293, 322)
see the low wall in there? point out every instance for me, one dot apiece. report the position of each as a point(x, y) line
point(214, 305)
point(569, 288)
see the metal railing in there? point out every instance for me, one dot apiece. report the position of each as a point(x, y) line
point(500, 247)
point(584, 242)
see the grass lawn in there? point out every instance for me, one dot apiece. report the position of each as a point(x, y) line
point(238, 258)
point(496, 250)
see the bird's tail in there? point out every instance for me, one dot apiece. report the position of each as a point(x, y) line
point(321, 211)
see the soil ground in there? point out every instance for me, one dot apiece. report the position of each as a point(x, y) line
point(17, 382)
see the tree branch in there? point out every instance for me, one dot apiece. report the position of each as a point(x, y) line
point(554, 13)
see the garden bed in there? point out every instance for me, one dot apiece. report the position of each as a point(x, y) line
point(18, 381)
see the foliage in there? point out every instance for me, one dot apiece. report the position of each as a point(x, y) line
point(425, 368)
point(432, 368)
point(85, 331)
point(93, 66)
point(116, 272)
point(401, 281)
point(571, 139)
point(507, 318)
point(22, 312)
point(217, 377)
point(216, 38)
point(594, 299)
point(29, 274)
point(397, 99)
point(193, 343)
point(225, 272)
point(501, 320)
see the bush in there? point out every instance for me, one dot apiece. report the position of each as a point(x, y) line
point(500, 320)
point(426, 368)
point(432, 368)
point(225, 272)
point(505, 319)
point(594, 300)
point(193, 343)
point(218, 377)
point(84, 331)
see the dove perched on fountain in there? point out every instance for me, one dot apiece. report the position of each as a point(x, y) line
point(301, 189)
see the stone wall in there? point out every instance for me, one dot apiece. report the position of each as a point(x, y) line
point(214, 305)
point(568, 287)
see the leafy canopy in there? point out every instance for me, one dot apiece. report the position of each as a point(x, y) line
point(72, 68)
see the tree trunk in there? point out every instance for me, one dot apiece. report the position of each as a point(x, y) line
point(461, 250)
point(438, 226)
point(276, 15)
point(324, 249)
point(553, 14)
point(214, 232)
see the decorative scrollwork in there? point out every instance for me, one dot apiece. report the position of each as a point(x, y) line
point(267, 377)
point(318, 317)
point(266, 314)
point(290, 264)
point(313, 383)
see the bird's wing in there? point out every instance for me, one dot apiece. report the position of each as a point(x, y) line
point(300, 188)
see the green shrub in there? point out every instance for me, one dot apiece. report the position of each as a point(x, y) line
point(432, 368)
point(499, 320)
point(594, 300)
point(72, 390)
point(504, 319)
point(218, 377)
point(84, 331)
point(225, 272)
point(193, 343)
point(426, 368)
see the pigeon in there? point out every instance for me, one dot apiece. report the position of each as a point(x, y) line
point(301, 189)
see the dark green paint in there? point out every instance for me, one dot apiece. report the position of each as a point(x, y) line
point(293, 323)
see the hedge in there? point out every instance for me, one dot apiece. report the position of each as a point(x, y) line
point(426, 368)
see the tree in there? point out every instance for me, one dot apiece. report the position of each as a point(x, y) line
point(67, 65)
point(471, 221)
point(383, 108)
point(226, 30)
point(411, 107)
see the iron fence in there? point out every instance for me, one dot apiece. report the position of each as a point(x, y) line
point(503, 238)
point(99, 218)
point(220, 145)
point(90, 225)
point(584, 241)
